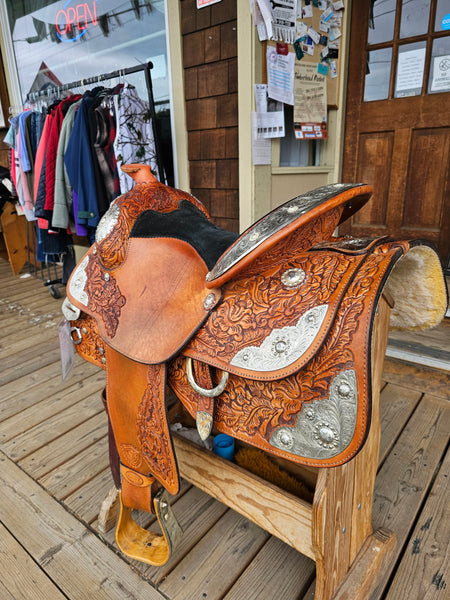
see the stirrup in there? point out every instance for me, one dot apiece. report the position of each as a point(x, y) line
point(147, 546)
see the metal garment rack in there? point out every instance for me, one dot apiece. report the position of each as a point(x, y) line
point(146, 68)
point(52, 275)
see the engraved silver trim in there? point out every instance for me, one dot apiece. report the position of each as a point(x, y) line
point(70, 311)
point(169, 525)
point(274, 222)
point(107, 223)
point(78, 281)
point(324, 428)
point(204, 422)
point(283, 346)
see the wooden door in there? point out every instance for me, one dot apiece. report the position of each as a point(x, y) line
point(397, 135)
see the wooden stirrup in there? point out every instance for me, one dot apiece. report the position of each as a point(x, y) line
point(147, 546)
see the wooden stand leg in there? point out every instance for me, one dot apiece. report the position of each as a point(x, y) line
point(342, 507)
point(358, 583)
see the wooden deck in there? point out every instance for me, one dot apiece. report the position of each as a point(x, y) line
point(54, 476)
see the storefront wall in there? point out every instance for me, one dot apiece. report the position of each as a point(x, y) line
point(214, 59)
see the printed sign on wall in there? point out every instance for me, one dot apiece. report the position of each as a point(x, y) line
point(203, 3)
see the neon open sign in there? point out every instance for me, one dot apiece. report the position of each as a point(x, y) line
point(82, 15)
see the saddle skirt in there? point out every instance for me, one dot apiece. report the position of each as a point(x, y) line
point(264, 336)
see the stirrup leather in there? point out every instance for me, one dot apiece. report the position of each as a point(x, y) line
point(147, 546)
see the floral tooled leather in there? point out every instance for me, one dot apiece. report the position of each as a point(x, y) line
point(90, 345)
point(153, 430)
point(251, 410)
point(105, 298)
point(299, 240)
point(254, 306)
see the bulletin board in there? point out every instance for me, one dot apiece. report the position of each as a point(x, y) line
point(332, 83)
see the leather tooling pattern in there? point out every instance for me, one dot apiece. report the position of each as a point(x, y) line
point(90, 345)
point(253, 307)
point(301, 239)
point(105, 298)
point(153, 431)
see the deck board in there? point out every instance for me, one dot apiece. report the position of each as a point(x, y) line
point(405, 478)
point(72, 556)
point(421, 573)
point(294, 574)
point(21, 578)
point(217, 560)
point(54, 476)
point(60, 450)
point(44, 432)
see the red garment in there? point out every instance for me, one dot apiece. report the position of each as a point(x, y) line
point(12, 169)
point(52, 149)
point(40, 153)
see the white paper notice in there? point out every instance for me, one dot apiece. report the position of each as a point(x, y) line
point(261, 148)
point(280, 75)
point(269, 114)
point(441, 74)
point(66, 348)
point(410, 71)
point(284, 17)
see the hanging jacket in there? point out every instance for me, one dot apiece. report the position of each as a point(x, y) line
point(52, 149)
point(63, 190)
point(79, 164)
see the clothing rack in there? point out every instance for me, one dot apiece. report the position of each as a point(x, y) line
point(146, 68)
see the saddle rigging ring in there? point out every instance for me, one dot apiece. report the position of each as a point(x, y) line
point(214, 392)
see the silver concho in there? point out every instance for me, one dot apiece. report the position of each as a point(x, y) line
point(272, 223)
point(293, 277)
point(209, 302)
point(283, 346)
point(107, 223)
point(324, 428)
point(70, 311)
point(78, 281)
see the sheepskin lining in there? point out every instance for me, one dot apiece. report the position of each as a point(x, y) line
point(419, 291)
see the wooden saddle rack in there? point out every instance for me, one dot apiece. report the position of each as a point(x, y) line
point(275, 337)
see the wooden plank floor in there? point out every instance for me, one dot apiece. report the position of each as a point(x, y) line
point(54, 475)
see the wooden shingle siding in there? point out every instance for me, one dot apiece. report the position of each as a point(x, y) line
point(210, 83)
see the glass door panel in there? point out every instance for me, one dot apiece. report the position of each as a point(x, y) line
point(378, 74)
point(381, 26)
point(415, 17)
point(439, 80)
point(442, 21)
point(410, 69)
point(408, 54)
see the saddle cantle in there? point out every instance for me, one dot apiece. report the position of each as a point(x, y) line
point(264, 336)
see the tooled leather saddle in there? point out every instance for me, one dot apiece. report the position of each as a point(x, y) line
point(264, 336)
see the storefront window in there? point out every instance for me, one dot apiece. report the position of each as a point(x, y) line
point(69, 40)
point(294, 152)
point(66, 41)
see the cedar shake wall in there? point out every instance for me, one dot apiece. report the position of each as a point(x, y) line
point(210, 75)
point(4, 149)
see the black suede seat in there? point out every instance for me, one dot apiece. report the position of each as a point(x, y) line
point(189, 224)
